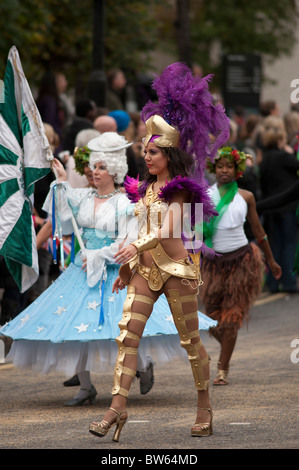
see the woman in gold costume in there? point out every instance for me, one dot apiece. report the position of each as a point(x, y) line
point(161, 260)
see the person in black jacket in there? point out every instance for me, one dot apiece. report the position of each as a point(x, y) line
point(278, 171)
point(280, 200)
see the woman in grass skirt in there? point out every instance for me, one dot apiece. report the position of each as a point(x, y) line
point(232, 278)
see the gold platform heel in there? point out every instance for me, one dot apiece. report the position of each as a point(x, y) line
point(203, 429)
point(101, 428)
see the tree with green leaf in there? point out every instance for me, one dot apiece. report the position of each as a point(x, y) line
point(241, 27)
point(59, 33)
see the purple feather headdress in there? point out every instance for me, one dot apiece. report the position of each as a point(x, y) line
point(185, 102)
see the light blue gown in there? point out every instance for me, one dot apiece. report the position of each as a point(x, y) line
point(72, 326)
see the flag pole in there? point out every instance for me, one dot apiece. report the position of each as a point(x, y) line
point(78, 235)
point(75, 226)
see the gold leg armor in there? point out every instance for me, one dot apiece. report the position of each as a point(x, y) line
point(176, 302)
point(127, 351)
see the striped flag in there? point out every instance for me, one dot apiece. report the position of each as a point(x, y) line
point(25, 156)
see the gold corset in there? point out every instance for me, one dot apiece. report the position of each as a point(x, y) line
point(150, 218)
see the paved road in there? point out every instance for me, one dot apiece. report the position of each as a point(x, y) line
point(259, 409)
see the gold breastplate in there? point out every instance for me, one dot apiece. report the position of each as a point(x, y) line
point(151, 214)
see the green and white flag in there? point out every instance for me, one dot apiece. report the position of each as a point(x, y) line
point(25, 156)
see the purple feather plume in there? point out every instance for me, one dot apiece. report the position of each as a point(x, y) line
point(134, 189)
point(185, 102)
point(131, 187)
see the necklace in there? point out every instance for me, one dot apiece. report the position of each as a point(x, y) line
point(105, 196)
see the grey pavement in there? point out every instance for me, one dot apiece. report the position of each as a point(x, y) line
point(259, 409)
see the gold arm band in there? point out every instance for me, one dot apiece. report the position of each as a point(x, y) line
point(145, 243)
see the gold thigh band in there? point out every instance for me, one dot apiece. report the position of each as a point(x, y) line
point(123, 350)
point(175, 300)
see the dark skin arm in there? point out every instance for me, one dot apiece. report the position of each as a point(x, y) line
point(259, 232)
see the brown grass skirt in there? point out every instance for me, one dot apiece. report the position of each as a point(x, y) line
point(232, 282)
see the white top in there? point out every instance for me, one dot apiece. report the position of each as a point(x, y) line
point(113, 219)
point(229, 235)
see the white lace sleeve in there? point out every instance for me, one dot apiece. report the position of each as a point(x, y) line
point(98, 259)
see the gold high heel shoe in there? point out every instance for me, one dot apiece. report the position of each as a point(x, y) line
point(203, 429)
point(101, 428)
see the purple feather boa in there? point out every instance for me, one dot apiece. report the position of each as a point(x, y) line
point(199, 191)
point(135, 191)
point(131, 186)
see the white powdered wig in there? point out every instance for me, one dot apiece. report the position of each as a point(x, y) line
point(110, 148)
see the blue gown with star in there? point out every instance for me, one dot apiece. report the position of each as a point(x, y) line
point(72, 326)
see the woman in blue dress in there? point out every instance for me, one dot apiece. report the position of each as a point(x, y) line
point(72, 326)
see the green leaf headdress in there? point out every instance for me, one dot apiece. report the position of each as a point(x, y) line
point(81, 157)
point(239, 158)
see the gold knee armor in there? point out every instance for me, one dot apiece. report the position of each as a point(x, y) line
point(123, 350)
point(197, 364)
